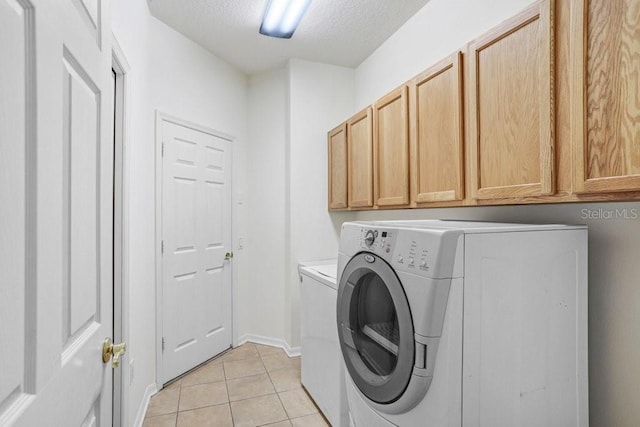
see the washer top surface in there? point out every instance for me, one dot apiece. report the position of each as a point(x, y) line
point(325, 271)
point(467, 226)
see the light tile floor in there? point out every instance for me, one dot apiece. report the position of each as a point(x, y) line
point(250, 385)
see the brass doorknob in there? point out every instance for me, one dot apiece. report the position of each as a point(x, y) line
point(110, 349)
point(228, 255)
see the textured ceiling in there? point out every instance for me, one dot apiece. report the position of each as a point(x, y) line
point(340, 32)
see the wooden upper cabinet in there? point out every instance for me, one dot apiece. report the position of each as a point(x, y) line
point(391, 149)
point(437, 133)
point(360, 155)
point(337, 143)
point(605, 95)
point(511, 107)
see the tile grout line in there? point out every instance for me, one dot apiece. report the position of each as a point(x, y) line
point(230, 406)
point(178, 408)
point(278, 395)
point(233, 419)
point(259, 395)
point(275, 353)
point(283, 407)
point(198, 384)
point(276, 391)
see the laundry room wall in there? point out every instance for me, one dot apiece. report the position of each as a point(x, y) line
point(260, 309)
point(440, 28)
point(290, 109)
point(174, 75)
point(320, 97)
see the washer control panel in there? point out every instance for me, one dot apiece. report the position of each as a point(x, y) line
point(424, 252)
point(379, 241)
point(417, 253)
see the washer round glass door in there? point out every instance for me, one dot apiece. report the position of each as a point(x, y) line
point(375, 328)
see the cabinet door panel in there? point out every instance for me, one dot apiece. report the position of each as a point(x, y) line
point(511, 107)
point(391, 149)
point(605, 100)
point(437, 132)
point(360, 170)
point(338, 167)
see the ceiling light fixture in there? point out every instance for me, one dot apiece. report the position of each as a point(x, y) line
point(282, 17)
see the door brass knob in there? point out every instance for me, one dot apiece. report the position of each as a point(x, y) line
point(228, 255)
point(110, 349)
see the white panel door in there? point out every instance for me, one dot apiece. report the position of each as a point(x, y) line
point(196, 234)
point(56, 195)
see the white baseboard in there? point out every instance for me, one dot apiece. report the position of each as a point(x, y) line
point(274, 342)
point(142, 410)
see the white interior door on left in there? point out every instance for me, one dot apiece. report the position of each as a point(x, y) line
point(56, 178)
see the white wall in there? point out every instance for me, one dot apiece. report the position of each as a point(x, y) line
point(443, 26)
point(174, 75)
point(260, 309)
point(320, 97)
point(290, 110)
point(438, 29)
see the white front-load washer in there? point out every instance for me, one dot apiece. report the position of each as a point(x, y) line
point(449, 323)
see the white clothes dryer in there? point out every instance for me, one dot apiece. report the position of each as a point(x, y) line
point(451, 323)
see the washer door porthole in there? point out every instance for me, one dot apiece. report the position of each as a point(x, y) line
point(375, 328)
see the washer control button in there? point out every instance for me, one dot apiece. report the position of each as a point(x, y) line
point(370, 237)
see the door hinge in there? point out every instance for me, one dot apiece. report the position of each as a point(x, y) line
point(162, 247)
point(162, 150)
point(162, 343)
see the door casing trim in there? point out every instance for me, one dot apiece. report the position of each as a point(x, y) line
point(121, 382)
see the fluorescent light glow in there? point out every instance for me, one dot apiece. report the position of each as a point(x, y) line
point(282, 17)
